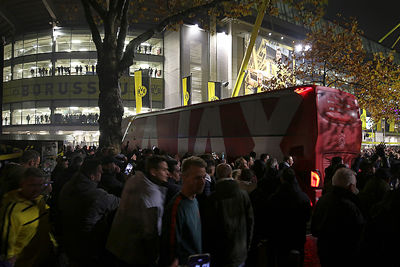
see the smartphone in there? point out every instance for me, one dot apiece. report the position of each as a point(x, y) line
point(128, 169)
point(199, 260)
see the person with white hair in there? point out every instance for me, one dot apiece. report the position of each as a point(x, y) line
point(338, 222)
point(345, 178)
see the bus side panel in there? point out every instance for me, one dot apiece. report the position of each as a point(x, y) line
point(237, 136)
point(301, 139)
point(167, 131)
point(339, 127)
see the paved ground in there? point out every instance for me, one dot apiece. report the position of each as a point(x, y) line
point(310, 251)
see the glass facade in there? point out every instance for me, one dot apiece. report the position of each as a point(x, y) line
point(74, 54)
point(67, 40)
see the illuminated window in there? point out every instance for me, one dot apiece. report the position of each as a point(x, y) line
point(63, 40)
point(81, 42)
point(18, 69)
point(45, 44)
point(6, 74)
point(18, 48)
point(155, 68)
point(6, 117)
point(30, 70)
point(30, 44)
point(7, 51)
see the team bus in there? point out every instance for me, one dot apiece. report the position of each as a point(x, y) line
point(310, 123)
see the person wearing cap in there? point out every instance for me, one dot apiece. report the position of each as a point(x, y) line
point(109, 181)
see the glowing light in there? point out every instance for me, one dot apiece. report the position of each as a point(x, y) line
point(315, 179)
point(307, 47)
point(298, 48)
point(302, 90)
point(76, 41)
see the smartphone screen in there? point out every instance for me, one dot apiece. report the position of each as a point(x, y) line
point(199, 260)
point(128, 169)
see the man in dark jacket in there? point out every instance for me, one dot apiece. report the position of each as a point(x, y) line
point(288, 212)
point(337, 222)
point(109, 181)
point(84, 213)
point(228, 221)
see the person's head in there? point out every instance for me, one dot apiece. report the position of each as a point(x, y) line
point(345, 178)
point(250, 161)
point(367, 167)
point(62, 162)
point(193, 176)
point(92, 169)
point(264, 157)
point(247, 175)
point(336, 161)
point(174, 170)
point(288, 176)
point(157, 168)
point(30, 158)
point(253, 154)
point(241, 163)
point(108, 164)
point(223, 171)
point(236, 174)
point(76, 162)
point(32, 183)
point(289, 160)
point(272, 163)
point(210, 169)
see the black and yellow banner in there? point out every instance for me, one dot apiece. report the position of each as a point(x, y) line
point(214, 91)
point(142, 94)
point(187, 90)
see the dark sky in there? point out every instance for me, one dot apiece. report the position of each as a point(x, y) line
point(376, 18)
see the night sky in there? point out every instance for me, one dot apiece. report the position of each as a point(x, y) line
point(376, 18)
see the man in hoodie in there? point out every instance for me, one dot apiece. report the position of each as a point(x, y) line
point(228, 221)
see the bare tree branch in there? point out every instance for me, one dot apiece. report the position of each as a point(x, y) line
point(96, 6)
point(120, 7)
point(93, 28)
point(122, 30)
point(129, 54)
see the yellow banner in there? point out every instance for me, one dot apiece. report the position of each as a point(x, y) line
point(71, 88)
point(211, 91)
point(186, 95)
point(138, 91)
point(391, 125)
point(363, 118)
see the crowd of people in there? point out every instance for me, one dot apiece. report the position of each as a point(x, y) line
point(148, 208)
point(63, 70)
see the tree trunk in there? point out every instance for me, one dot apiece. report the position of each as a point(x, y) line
point(110, 102)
